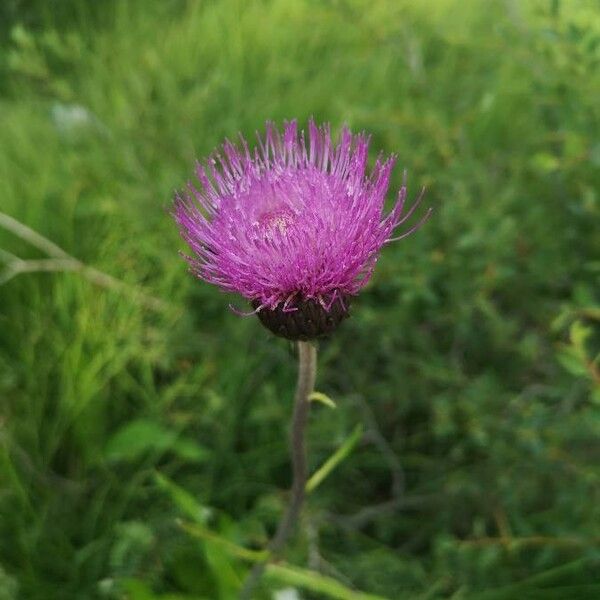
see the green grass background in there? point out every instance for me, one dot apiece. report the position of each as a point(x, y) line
point(470, 359)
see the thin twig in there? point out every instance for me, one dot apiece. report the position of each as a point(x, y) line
point(61, 261)
point(7, 256)
point(307, 369)
point(531, 541)
point(31, 236)
point(398, 500)
point(367, 514)
point(316, 561)
point(374, 432)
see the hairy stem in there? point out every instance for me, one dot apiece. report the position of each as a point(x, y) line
point(307, 371)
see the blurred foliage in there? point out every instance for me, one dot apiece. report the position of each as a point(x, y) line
point(471, 360)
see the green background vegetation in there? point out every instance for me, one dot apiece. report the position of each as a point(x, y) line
point(469, 360)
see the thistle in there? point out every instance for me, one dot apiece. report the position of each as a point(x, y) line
point(295, 226)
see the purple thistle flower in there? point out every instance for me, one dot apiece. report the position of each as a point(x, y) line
point(295, 225)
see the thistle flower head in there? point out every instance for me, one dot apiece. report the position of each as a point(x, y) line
point(294, 225)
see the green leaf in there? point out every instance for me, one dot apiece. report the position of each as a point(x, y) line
point(144, 436)
point(322, 398)
point(281, 571)
point(186, 503)
point(136, 589)
point(196, 530)
point(579, 333)
point(569, 358)
point(223, 570)
point(545, 162)
point(315, 582)
point(335, 459)
point(189, 450)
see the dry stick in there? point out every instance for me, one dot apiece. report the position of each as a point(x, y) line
point(397, 472)
point(398, 499)
point(307, 371)
point(534, 540)
point(31, 236)
point(62, 261)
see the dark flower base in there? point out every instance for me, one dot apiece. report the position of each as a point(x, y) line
point(310, 322)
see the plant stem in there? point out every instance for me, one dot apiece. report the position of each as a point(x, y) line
point(307, 371)
point(62, 261)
